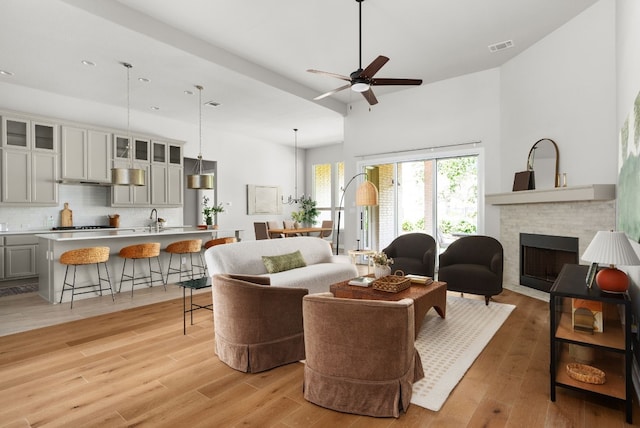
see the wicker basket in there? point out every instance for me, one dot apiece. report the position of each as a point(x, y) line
point(587, 374)
point(392, 283)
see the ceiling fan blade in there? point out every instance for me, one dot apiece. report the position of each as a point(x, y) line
point(370, 97)
point(338, 76)
point(384, 81)
point(374, 67)
point(319, 97)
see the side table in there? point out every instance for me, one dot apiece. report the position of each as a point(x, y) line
point(355, 253)
point(611, 348)
point(192, 284)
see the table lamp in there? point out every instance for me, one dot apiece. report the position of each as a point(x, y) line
point(611, 248)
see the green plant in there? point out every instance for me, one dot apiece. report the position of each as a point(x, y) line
point(308, 211)
point(209, 211)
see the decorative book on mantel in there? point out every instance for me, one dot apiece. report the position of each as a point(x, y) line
point(362, 281)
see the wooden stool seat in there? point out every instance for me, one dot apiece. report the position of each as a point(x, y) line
point(86, 256)
point(135, 252)
point(191, 247)
point(220, 241)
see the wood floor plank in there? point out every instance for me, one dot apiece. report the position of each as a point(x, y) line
point(136, 367)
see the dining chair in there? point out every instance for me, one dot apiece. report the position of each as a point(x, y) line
point(261, 230)
point(273, 224)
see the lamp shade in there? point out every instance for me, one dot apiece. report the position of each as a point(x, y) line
point(366, 194)
point(612, 248)
point(200, 181)
point(127, 176)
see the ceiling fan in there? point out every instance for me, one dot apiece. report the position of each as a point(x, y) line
point(362, 80)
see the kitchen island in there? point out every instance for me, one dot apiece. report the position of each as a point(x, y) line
point(52, 245)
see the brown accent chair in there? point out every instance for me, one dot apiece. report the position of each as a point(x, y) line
point(257, 327)
point(473, 264)
point(360, 354)
point(413, 253)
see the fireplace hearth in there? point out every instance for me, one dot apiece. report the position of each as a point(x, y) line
point(542, 258)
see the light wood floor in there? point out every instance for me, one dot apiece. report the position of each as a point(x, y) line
point(134, 367)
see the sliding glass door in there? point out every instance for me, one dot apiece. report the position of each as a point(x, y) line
point(437, 196)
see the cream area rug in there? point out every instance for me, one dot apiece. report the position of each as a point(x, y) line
point(449, 346)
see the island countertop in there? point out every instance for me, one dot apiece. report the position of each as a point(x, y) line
point(53, 245)
point(134, 232)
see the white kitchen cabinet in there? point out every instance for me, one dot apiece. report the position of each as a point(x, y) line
point(85, 155)
point(19, 256)
point(123, 151)
point(23, 133)
point(166, 173)
point(29, 177)
point(29, 162)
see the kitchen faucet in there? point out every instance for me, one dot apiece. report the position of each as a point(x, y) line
point(156, 223)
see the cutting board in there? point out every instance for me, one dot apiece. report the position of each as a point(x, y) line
point(66, 216)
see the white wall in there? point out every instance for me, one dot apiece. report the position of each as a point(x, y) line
point(628, 87)
point(563, 88)
point(240, 162)
point(446, 113)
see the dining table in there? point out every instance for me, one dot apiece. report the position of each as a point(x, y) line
point(299, 231)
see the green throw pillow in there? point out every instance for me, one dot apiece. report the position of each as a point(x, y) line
point(284, 262)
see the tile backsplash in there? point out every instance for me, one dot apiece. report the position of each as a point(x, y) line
point(90, 206)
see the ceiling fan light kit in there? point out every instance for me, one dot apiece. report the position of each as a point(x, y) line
point(362, 80)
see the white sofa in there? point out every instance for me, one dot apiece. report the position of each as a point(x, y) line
point(322, 267)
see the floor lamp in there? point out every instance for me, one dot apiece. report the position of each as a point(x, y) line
point(366, 195)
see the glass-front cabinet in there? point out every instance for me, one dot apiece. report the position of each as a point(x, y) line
point(29, 161)
point(166, 173)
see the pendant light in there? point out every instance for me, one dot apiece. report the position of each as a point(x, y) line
point(128, 176)
point(199, 180)
point(294, 199)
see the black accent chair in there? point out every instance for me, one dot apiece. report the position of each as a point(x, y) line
point(473, 264)
point(413, 253)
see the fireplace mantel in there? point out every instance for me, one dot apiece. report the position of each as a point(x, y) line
point(590, 192)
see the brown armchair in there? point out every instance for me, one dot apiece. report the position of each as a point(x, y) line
point(473, 264)
point(360, 354)
point(413, 253)
point(257, 327)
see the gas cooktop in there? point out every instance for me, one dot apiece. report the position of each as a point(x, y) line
point(81, 227)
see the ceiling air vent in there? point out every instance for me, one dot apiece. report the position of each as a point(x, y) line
point(500, 46)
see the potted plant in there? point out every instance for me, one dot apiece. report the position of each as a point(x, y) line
point(308, 212)
point(382, 264)
point(210, 211)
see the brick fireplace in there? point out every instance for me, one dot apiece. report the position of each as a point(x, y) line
point(580, 219)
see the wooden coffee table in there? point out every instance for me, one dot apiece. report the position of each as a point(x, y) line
point(424, 297)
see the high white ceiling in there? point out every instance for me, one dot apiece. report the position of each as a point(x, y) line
point(252, 55)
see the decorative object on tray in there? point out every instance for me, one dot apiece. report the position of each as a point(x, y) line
point(419, 279)
point(392, 283)
point(381, 264)
point(361, 281)
point(586, 374)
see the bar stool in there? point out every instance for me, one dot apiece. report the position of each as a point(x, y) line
point(180, 248)
point(218, 241)
point(141, 251)
point(86, 256)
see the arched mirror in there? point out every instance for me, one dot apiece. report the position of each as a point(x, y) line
point(544, 160)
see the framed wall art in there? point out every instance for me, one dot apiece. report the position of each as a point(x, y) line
point(263, 199)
